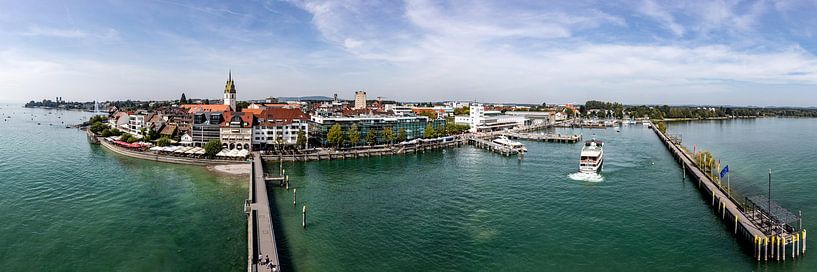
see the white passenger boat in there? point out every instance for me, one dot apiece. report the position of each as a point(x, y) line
point(504, 141)
point(592, 157)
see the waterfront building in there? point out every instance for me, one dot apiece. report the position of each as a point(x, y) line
point(536, 117)
point(481, 120)
point(206, 127)
point(273, 124)
point(186, 139)
point(413, 125)
point(135, 124)
point(236, 130)
point(360, 100)
point(229, 92)
point(119, 120)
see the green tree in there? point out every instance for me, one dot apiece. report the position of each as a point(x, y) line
point(335, 135)
point(241, 105)
point(388, 135)
point(401, 135)
point(354, 135)
point(661, 127)
point(371, 137)
point(441, 130)
point(429, 113)
point(570, 112)
point(301, 139)
point(212, 148)
point(428, 132)
point(183, 100)
point(164, 141)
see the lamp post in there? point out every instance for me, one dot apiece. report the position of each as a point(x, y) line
point(770, 200)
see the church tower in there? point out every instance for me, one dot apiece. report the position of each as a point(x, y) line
point(229, 92)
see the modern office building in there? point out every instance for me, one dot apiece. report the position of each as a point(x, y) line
point(413, 125)
point(206, 127)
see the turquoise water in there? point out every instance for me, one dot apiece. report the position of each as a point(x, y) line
point(470, 210)
point(66, 205)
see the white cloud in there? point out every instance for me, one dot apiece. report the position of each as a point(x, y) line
point(55, 32)
point(664, 17)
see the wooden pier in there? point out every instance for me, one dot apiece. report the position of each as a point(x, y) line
point(543, 137)
point(260, 231)
point(486, 143)
point(768, 243)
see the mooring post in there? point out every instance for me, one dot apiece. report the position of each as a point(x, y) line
point(303, 217)
point(804, 241)
point(294, 197)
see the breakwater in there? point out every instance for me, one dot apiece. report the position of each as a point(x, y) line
point(751, 227)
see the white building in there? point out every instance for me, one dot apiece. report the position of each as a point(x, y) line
point(135, 124)
point(360, 100)
point(279, 123)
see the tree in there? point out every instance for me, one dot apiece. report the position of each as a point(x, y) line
point(212, 148)
point(569, 112)
point(164, 141)
point(183, 100)
point(280, 142)
point(388, 135)
point(428, 132)
point(661, 127)
point(335, 135)
point(441, 130)
point(300, 141)
point(241, 105)
point(429, 113)
point(462, 111)
point(354, 135)
point(371, 137)
point(401, 135)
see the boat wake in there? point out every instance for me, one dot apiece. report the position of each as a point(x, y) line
point(589, 177)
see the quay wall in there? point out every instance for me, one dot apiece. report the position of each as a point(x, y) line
point(164, 158)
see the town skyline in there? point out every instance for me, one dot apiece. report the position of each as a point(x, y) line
point(647, 52)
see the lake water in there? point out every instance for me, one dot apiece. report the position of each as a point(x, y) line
point(68, 205)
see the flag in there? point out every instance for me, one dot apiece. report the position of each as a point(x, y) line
point(725, 169)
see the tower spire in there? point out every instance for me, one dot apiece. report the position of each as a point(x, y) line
point(230, 76)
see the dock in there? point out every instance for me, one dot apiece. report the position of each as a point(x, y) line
point(260, 231)
point(486, 143)
point(543, 137)
point(768, 235)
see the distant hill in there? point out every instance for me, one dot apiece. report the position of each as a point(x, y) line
point(302, 98)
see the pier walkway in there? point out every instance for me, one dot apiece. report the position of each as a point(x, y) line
point(543, 137)
point(260, 231)
point(766, 245)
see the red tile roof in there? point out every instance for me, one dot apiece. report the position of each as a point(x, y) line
point(193, 108)
point(280, 116)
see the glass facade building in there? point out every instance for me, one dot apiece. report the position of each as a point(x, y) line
point(414, 125)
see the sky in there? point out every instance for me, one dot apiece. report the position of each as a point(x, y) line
point(636, 52)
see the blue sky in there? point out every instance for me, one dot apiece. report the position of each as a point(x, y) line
point(673, 52)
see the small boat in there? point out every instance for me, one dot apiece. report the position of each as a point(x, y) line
point(504, 141)
point(592, 157)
